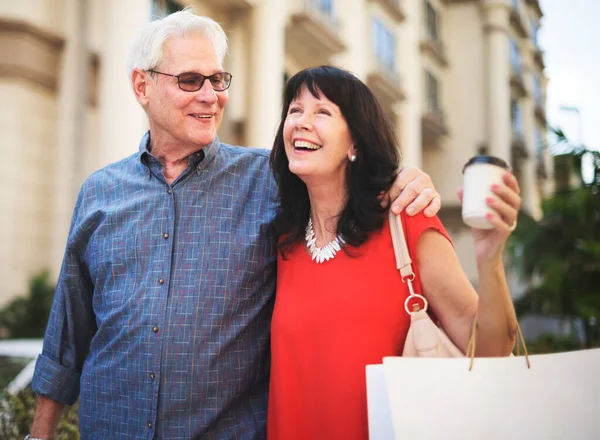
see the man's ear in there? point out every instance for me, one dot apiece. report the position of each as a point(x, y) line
point(139, 80)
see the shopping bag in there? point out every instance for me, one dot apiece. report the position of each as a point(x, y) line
point(499, 398)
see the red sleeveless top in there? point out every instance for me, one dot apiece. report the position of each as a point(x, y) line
point(330, 321)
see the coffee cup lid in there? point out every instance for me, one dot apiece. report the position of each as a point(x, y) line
point(491, 160)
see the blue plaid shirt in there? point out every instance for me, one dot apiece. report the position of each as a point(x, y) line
point(162, 311)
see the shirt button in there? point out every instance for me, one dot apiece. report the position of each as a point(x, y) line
point(169, 191)
point(161, 281)
point(155, 329)
point(149, 424)
point(165, 235)
point(152, 376)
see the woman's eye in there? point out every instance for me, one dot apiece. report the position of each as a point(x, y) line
point(293, 110)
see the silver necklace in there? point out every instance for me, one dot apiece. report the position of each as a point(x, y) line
point(325, 253)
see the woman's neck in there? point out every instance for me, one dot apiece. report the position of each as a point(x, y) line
point(326, 205)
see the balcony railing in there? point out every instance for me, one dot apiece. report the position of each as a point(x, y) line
point(394, 8)
point(516, 19)
point(388, 71)
point(385, 83)
point(435, 48)
point(312, 34)
point(325, 11)
point(433, 127)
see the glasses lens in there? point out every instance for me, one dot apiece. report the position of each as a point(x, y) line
point(190, 81)
point(220, 81)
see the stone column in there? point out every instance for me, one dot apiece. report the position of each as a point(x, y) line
point(410, 111)
point(497, 13)
point(72, 109)
point(266, 72)
point(122, 120)
point(237, 63)
point(356, 33)
point(530, 202)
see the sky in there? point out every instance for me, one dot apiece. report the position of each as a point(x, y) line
point(569, 37)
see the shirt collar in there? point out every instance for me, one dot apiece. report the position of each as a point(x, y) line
point(194, 159)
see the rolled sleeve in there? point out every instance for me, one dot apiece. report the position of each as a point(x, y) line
point(71, 325)
point(55, 381)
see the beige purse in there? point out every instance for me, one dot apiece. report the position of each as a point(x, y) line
point(424, 338)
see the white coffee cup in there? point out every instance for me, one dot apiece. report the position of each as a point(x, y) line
point(480, 173)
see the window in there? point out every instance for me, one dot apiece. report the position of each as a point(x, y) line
point(431, 22)
point(431, 92)
point(534, 32)
point(384, 44)
point(162, 8)
point(516, 118)
point(326, 6)
point(537, 90)
point(515, 57)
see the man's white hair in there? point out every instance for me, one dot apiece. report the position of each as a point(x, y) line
point(146, 49)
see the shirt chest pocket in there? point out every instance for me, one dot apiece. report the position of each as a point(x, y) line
point(115, 255)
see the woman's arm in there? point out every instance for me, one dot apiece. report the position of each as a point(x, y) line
point(450, 293)
point(455, 302)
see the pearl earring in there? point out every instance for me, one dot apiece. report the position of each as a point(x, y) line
point(353, 158)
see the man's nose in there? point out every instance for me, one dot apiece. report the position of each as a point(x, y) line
point(206, 92)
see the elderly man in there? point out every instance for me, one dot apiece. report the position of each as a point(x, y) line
point(162, 312)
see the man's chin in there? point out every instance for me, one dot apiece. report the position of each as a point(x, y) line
point(204, 139)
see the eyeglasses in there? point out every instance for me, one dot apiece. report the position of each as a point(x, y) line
point(192, 81)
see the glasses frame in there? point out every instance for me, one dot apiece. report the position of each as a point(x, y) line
point(204, 78)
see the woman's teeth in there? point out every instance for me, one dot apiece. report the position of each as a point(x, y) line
point(305, 145)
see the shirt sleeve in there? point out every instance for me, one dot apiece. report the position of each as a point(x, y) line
point(72, 323)
point(416, 225)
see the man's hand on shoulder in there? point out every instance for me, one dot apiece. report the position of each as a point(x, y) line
point(413, 191)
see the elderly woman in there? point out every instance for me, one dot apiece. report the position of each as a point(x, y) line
point(339, 302)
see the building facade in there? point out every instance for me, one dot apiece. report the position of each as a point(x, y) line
point(457, 77)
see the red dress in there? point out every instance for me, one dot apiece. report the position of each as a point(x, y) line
point(330, 321)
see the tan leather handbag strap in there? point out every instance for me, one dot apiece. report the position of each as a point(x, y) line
point(403, 261)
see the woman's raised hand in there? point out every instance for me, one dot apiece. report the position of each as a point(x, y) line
point(505, 203)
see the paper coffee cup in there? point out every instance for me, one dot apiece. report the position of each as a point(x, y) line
point(480, 173)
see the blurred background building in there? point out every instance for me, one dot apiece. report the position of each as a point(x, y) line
point(457, 77)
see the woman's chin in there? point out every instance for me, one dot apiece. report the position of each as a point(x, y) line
point(301, 170)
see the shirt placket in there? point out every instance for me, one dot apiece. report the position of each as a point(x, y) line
point(165, 234)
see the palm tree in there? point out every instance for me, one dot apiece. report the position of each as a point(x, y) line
point(558, 257)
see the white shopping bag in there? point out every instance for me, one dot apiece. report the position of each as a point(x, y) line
point(500, 398)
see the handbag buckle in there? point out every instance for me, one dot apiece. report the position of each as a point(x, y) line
point(408, 280)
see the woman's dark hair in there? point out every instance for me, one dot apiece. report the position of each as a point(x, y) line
point(376, 165)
